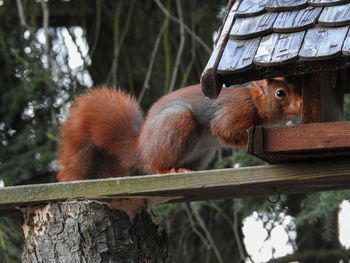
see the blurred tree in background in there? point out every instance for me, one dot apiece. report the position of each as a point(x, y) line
point(50, 51)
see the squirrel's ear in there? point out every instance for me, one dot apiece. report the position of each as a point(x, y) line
point(280, 78)
point(259, 86)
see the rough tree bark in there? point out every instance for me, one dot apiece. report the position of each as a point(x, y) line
point(91, 231)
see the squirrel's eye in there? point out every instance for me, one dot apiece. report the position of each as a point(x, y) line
point(280, 93)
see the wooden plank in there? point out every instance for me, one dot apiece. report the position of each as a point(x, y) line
point(307, 156)
point(330, 136)
point(338, 15)
point(326, 2)
point(323, 43)
point(285, 5)
point(251, 8)
point(346, 46)
point(210, 83)
point(277, 48)
point(238, 54)
point(293, 21)
point(250, 27)
point(203, 185)
point(293, 143)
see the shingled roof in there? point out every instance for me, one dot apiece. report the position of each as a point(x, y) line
point(269, 38)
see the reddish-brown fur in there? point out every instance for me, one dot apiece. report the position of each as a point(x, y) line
point(100, 137)
point(105, 135)
point(170, 151)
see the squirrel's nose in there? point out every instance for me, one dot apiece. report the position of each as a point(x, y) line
point(296, 106)
point(300, 103)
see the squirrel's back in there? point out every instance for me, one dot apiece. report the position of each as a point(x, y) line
point(100, 137)
point(105, 135)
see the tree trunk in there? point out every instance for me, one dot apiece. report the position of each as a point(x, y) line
point(90, 231)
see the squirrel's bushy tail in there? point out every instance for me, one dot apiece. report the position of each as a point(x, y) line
point(100, 137)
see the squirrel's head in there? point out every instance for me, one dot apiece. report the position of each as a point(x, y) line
point(276, 100)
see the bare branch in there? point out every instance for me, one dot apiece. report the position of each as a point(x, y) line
point(194, 228)
point(151, 63)
point(187, 29)
point(234, 226)
point(22, 17)
point(237, 237)
point(97, 28)
point(207, 233)
point(190, 62)
point(181, 46)
point(315, 255)
point(118, 44)
point(46, 46)
point(73, 37)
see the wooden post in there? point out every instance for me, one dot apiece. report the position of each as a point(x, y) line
point(90, 231)
point(323, 100)
point(343, 79)
point(323, 97)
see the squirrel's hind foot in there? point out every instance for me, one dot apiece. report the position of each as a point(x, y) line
point(173, 170)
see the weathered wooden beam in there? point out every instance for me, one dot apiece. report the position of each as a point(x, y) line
point(290, 69)
point(343, 79)
point(322, 96)
point(210, 83)
point(306, 137)
point(202, 185)
point(288, 143)
point(311, 98)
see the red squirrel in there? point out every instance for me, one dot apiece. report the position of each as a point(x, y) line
point(105, 135)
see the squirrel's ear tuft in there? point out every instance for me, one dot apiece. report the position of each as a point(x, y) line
point(259, 86)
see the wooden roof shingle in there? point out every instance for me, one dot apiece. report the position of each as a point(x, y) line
point(272, 38)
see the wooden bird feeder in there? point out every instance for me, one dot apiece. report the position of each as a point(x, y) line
point(307, 41)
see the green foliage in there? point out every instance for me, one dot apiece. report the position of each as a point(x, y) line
point(27, 115)
point(121, 36)
point(318, 205)
point(239, 158)
point(37, 82)
point(32, 98)
point(33, 92)
point(11, 241)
